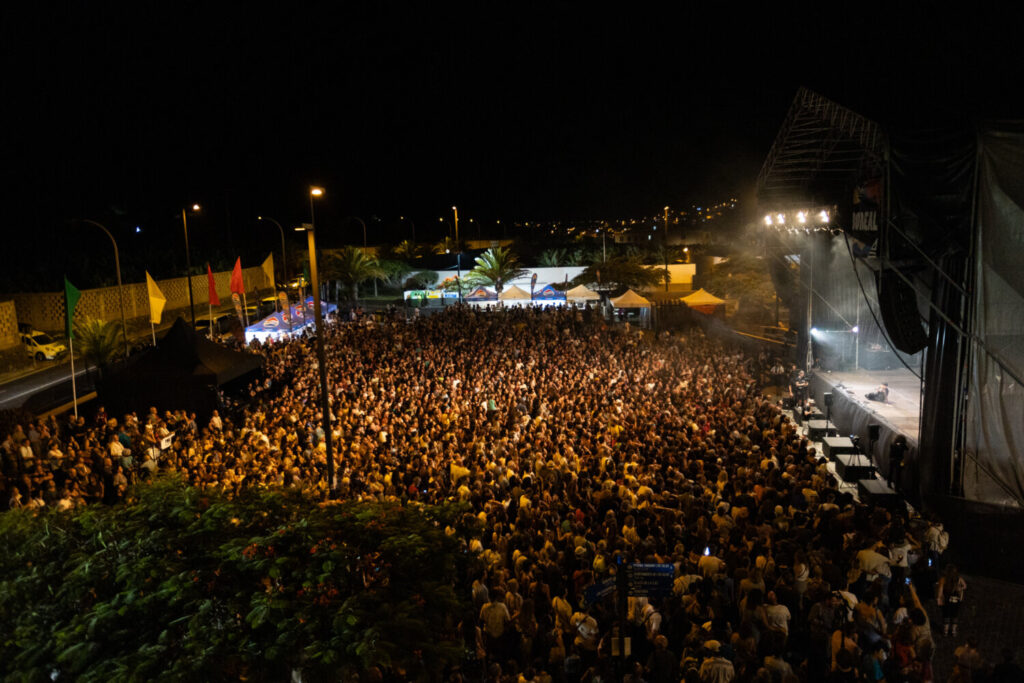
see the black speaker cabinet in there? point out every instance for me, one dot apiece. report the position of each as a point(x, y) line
point(874, 433)
point(851, 468)
point(819, 429)
point(834, 445)
point(876, 493)
point(828, 398)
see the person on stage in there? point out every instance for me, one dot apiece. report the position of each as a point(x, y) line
point(880, 394)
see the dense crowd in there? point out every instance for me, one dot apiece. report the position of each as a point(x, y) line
point(581, 448)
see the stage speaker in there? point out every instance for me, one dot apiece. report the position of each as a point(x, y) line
point(819, 429)
point(898, 303)
point(874, 432)
point(875, 493)
point(851, 468)
point(828, 398)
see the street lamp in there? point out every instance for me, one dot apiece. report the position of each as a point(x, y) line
point(455, 210)
point(188, 263)
point(318, 319)
point(284, 269)
point(403, 218)
point(665, 250)
point(362, 223)
point(120, 289)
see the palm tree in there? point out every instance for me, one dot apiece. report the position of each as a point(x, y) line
point(99, 342)
point(407, 249)
point(495, 267)
point(552, 258)
point(351, 266)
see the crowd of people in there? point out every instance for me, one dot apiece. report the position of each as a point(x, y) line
point(581, 448)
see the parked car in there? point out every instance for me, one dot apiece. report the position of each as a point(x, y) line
point(42, 346)
point(221, 323)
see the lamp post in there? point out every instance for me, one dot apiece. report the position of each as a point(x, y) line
point(455, 210)
point(188, 264)
point(284, 270)
point(120, 288)
point(284, 254)
point(321, 356)
point(357, 218)
point(411, 223)
point(665, 250)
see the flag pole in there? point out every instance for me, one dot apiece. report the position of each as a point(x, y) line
point(152, 328)
point(245, 309)
point(74, 388)
point(210, 318)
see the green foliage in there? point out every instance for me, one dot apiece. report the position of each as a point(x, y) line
point(407, 249)
point(619, 272)
point(446, 246)
point(351, 266)
point(552, 258)
point(421, 279)
point(494, 268)
point(98, 342)
point(393, 274)
point(183, 584)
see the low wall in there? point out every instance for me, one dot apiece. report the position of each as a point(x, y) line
point(45, 310)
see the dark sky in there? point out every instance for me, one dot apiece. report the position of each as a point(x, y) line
point(515, 111)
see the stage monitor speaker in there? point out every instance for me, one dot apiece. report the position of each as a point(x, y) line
point(851, 468)
point(874, 432)
point(876, 493)
point(897, 302)
point(819, 429)
point(828, 398)
point(832, 446)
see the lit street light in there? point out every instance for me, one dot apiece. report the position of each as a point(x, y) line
point(321, 356)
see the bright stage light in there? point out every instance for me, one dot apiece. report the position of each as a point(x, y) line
point(768, 219)
point(801, 217)
point(815, 332)
point(855, 329)
point(823, 216)
point(781, 218)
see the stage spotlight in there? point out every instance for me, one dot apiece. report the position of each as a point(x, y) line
point(856, 329)
point(801, 217)
point(823, 216)
point(768, 219)
point(781, 218)
point(815, 332)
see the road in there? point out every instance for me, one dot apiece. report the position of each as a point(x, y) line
point(47, 388)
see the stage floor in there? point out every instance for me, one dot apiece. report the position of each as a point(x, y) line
point(903, 411)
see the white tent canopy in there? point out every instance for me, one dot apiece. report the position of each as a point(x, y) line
point(630, 300)
point(702, 298)
point(582, 293)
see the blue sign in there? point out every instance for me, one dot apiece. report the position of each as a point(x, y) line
point(649, 580)
point(595, 592)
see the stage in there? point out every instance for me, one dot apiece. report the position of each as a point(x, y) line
point(852, 412)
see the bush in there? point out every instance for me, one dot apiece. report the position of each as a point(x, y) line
point(184, 584)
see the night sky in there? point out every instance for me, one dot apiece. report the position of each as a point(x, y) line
point(127, 113)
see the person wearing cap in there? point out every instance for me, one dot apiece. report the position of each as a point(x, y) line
point(715, 668)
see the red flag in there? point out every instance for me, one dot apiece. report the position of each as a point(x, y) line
point(237, 285)
point(214, 299)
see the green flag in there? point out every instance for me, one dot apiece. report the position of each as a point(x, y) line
point(71, 297)
point(305, 274)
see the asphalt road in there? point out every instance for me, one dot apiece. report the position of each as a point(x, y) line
point(45, 389)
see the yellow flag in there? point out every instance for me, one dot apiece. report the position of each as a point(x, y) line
point(268, 269)
point(156, 300)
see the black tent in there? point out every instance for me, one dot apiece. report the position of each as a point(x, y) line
point(183, 371)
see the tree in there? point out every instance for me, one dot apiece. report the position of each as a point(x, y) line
point(619, 272)
point(351, 267)
point(552, 258)
point(393, 273)
point(446, 246)
point(186, 584)
point(407, 249)
point(495, 267)
point(98, 342)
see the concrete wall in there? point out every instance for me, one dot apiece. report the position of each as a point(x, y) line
point(8, 325)
point(45, 310)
